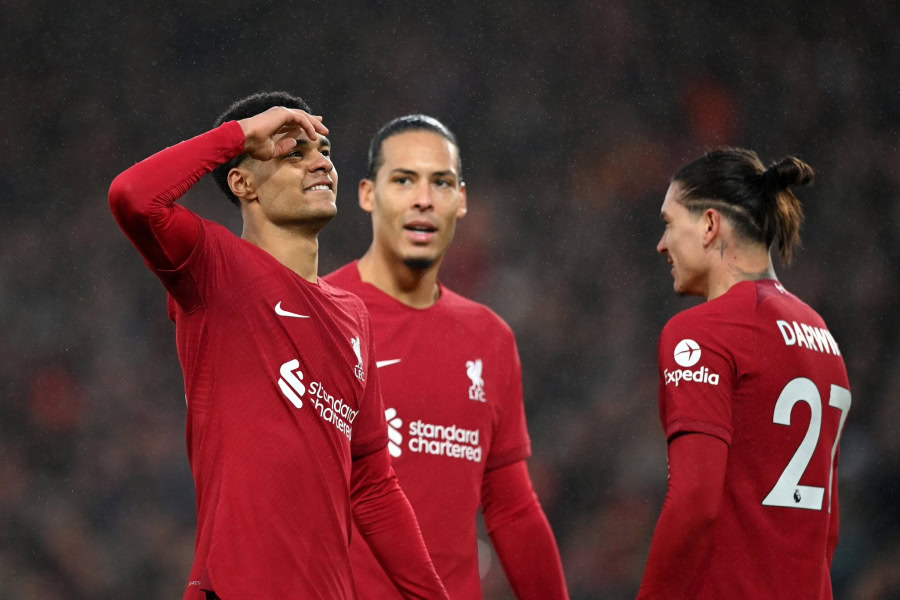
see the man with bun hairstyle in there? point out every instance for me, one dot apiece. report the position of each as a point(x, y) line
point(753, 395)
point(285, 426)
point(451, 377)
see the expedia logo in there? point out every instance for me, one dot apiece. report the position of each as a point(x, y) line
point(687, 354)
point(701, 375)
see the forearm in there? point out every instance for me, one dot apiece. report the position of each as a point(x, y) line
point(386, 520)
point(143, 197)
point(521, 534)
point(681, 547)
point(682, 542)
point(530, 558)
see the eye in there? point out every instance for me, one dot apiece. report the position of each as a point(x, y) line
point(294, 154)
point(444, 183)
point(402, 180)
point(326, 152)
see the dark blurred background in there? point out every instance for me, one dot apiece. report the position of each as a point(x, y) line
point(571, 118)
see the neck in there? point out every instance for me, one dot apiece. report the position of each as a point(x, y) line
point(417, 288)
point(735, 266)
point(296, 248)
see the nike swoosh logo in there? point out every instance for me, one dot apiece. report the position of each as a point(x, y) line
point(387, 363)
point(287, 313)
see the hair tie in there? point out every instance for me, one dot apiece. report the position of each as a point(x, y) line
point(770, 179)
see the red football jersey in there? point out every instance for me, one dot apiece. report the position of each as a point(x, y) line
point(759, 369)
point(282, 392)
point(452, 388)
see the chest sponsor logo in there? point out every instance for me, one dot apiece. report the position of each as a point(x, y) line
point(473, 372)
point(332, 410)
point(395, 438)
point(687, 354)
point(359, 370)
point(429, 438)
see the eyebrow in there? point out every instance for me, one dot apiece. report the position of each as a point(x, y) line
point(403, 171)
point(322, 140)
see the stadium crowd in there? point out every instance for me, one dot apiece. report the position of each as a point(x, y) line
point(571, 119)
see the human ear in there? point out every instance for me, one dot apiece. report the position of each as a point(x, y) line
point(367, 195)
point(242, 183)
point(712, 225)
point(463, 206)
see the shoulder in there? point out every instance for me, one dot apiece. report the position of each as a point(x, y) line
point(214, 231)
point(346, 277)
point(342, 297)
point(474, 315)
point(731, 310)
point(725, 326)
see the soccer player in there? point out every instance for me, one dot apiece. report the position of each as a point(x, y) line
point(285, 425)
point(451, 377)
point(753, 395)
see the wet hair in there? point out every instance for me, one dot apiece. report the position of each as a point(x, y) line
point(402, 125)
point(244, 109)
point(756, 200)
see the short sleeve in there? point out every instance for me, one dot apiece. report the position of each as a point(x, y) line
point(511, 442)
point(370, 432)
point(696, 374)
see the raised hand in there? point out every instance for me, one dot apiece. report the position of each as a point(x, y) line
point(264, 131)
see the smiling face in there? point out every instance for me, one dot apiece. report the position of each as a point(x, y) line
point(416, 197)
point(682, 244)
point(297, 188)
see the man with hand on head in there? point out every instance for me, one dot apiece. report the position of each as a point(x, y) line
point(451, 376)
point(285, 426)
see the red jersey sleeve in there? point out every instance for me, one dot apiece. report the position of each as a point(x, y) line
point(370, 434)
point(521, 534)
point(696, 375)
point(143, 201)
point(683, 541)
point(511, 441)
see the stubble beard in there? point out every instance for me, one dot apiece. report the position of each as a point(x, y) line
point(418, 263)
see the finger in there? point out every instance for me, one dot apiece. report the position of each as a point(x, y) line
point(299, 119)
point(289, 129)
point(284, 145)
point(316, 121)
point(311, 125)
point(319, 126)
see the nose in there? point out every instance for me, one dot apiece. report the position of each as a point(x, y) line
point(423, 200)
point(661, 245)
point(321, 163)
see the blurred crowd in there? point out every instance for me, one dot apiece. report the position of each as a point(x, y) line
point(571, 117)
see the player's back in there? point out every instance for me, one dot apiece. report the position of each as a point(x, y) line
point(789, 398)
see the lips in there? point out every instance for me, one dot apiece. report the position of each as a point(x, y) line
point(320, 186)
point(421, 231)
